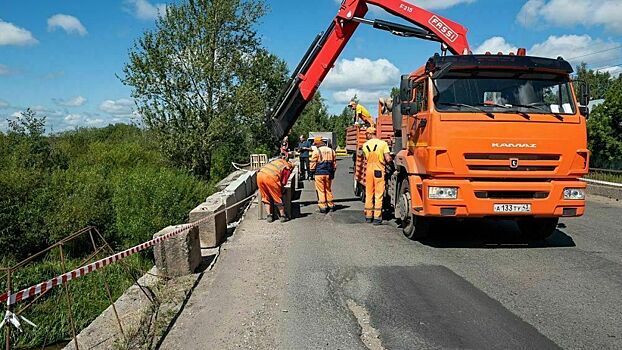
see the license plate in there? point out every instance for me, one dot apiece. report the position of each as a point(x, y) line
point(512, 208)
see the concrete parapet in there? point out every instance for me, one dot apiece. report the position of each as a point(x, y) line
point(234, 194)
point(180, 255)
point(212, 232)
point(605, 191)
point(229, 179)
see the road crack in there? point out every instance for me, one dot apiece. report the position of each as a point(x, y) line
point(369, 335)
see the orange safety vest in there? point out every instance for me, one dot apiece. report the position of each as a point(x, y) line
point(276, 168)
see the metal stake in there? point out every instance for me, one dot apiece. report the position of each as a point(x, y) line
point(114, 308)
point(69, 301)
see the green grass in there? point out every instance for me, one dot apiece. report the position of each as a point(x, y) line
point(88, 294)
point(605, 176)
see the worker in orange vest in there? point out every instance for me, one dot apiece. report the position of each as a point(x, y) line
point(323, 165)
point(361, 113)
point(378, 155)
point(270, 180)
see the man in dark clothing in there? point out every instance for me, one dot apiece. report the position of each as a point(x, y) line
point(304, 147)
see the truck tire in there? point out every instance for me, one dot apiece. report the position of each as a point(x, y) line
point(413, 227)
point(537, 228)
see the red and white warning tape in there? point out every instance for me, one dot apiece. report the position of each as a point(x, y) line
point(13, 298)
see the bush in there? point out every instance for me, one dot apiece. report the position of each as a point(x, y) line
point(50, 186)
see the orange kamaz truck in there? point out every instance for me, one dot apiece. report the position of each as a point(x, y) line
point(486, 136)
point(473, 136)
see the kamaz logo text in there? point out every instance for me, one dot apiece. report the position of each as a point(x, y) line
point(443, 28)
point(514, 145)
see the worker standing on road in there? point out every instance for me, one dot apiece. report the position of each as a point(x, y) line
point(270, 180)
point(304, 147)
point(377, 154)
point(324, 164)
point(361, 113)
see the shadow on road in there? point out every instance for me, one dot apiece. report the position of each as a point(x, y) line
point(340, 200)
point(490, 234)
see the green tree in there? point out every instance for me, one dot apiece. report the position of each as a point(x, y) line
point(599, 82)
point(605, 129)
point(339, 124)
point(202, 80)
point(313, 118)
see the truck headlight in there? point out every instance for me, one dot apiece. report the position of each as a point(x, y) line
point(574, 193)
point(442, 192)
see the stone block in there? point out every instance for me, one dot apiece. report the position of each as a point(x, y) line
point(250, 182)
point(213, 230)
point(179, 255)
point(229, 179)
point(229, 201)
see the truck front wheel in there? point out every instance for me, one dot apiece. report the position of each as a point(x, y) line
point(413, 227)
point(537, 228)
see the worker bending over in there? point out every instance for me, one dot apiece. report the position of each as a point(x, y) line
point(270, 181)
point(377, 154)
point(361, 113)
point(324, 164)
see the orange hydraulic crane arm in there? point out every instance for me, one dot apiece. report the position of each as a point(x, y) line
point(327, 46)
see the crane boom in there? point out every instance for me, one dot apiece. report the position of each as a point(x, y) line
point(326, 48)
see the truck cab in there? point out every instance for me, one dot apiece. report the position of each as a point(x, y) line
point(489, 136)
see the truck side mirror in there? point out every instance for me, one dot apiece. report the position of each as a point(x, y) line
point(406, 95)
point(584, 99)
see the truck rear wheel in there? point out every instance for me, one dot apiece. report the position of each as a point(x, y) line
point(413, 227)
point(537, 228)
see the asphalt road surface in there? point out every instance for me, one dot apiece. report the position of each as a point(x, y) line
point(333, 282)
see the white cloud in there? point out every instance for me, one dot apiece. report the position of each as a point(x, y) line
point(69, 24)
point(4, 104)
point(94, 122)
point(494, 45)
point(73, 118)
point(439, 4)
point(368, 98)
point(120, 107)
point(4, 70)
point(143, 9)
point(362, 73)
point(615, 71)
point(10, 34)
point(72, 102)
point(572, 12)
point(574, 48)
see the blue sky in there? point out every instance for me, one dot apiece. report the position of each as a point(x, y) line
point(61, 57)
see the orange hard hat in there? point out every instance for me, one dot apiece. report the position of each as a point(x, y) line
point(352, 103)
point(371, 130)
point(317, 140)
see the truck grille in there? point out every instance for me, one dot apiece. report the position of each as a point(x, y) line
point(502, 162)
point(511, 194)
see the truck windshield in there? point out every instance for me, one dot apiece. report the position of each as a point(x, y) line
point(494, 92)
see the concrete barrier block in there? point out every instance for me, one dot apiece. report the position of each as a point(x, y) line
point(228, 199)
point(213, 230)
point(229, 179)
point(250, 183)
point(179, 255)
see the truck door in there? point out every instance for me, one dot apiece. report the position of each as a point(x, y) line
point(417, 123)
